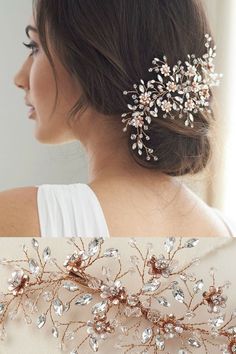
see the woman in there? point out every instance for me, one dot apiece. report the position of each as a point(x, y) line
point(85, 54)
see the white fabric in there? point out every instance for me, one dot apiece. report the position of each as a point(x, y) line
point(73, 210)
point(70, 211)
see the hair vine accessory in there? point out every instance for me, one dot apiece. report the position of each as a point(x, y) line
point(146, 320)
point(180, 91)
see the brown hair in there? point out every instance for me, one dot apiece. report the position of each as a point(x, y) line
point(108, 45)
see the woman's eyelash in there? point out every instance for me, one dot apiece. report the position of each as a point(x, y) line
point(32, 45)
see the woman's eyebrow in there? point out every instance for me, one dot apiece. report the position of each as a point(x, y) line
point(30, 28)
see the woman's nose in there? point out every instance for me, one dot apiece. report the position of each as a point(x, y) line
point(21, 79)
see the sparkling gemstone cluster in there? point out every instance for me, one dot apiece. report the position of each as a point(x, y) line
point(177, 93)
point(164, 308)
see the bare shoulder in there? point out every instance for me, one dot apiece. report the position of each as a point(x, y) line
point(19, 212)
point(206, 220)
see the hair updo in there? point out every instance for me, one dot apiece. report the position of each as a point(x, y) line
point(108, 45)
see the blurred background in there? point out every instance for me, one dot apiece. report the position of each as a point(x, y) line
point(25, 162)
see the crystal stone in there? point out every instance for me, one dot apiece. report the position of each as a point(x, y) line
point(93, 246)
point(93, 343)
point(35, 244)
point(46, 254)
point(151, 286)
point(84, 299)
point(33, 266)
point(178, 294)
point(191, 243)
point(160, 343)
point(198, 286)
point(111, 252)
point(70, 286)
point(169, 244)
point(55, 332)
point(41, 320)
point(2, 306)
point(194, 342)
point(58, 307)
point(146, 335)
point(163, 301)
point(99, 308)
point(216, 322)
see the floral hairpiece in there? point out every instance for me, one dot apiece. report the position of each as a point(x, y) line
point(146, 320)
point(180, 91)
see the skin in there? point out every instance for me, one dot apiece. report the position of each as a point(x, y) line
point(155, 201)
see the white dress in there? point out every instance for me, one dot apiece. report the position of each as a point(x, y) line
point(73, 210)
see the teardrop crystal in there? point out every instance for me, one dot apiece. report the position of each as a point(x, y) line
point(169, 244)
point(194, 342)
point(160, 343)
point(2, 306)
point(178, 294)
point(99, 307)
point(191, 243)
point(41, 320)
point(93, 343)
point(70, 286)
point(111, 252)
point(146, 335)
point(33, 266)
point(84, 299)
point(151, 286)
point(55, 332)
point(198, 286)
point(35, 244)
point(58, 307)
point(46, 254)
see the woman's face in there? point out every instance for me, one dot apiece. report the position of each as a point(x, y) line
point(36, 78)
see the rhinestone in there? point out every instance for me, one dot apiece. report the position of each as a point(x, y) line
point(178, 294)
point(58, 307)
point(151, 286)
point(160, 343)
point(194, 342)
point(147, 335)
point(231, 330)
point(216, 322)
point(70, 286)
point(2, 306)
point(191, 243)
point(93, 246)
point(169, 244)
point(55, 332)
point(84, 299)
point(46, 254)
point(33, 266)
point(111, 252)
point(41, 320)
point(99, 308)
point(163, 301)
point(93, 343)
point(198, 286)
point(35, 243)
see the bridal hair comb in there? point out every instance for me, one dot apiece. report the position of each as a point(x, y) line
point(170, 304)
point(178, 92)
